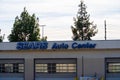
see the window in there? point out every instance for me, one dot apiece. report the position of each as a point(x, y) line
point(11, 68)
point(51, 68)
point(15, 68)
point(55, 68)
point(2, 68)
point(8, 68)
point(21, 67)
point(66, 67)
point(113, 68)
point(41, 68)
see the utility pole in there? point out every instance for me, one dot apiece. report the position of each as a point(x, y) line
point(42, 30)
point(105, 30)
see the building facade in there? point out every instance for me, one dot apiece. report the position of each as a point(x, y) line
point(60, 60)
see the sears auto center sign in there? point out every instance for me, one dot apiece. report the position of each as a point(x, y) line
point(53, 45)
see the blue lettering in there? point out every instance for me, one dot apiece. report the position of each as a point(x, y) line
point(60, 46)
point(32, 45)
point(54, 46)
point(85, 45)
point(19, 46)
point(74, 45)
point(25, 45)
point(44, 45)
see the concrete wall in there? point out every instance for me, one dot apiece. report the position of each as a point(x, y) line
point(93, 60)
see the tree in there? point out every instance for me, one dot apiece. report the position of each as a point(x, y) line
point(25, 28)
point(83, 29)
point(1, 36)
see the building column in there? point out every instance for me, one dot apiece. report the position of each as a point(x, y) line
point(79, 67)
point(29, 69)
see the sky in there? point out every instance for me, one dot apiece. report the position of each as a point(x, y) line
point(57, 16)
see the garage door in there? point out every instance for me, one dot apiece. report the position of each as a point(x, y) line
point(55, 69)
point(11, 69)
point(112, 68)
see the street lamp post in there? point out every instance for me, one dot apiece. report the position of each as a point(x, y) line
point(42, 30)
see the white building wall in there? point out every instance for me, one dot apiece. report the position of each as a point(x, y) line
point(93, 59)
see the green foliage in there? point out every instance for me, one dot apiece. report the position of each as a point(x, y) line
point(1, 36)
point(25, 28)
point(76, 78)
point(83, 29)
point(102, 78)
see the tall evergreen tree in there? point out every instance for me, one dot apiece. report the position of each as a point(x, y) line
point(25, 28)
point(83, 29)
